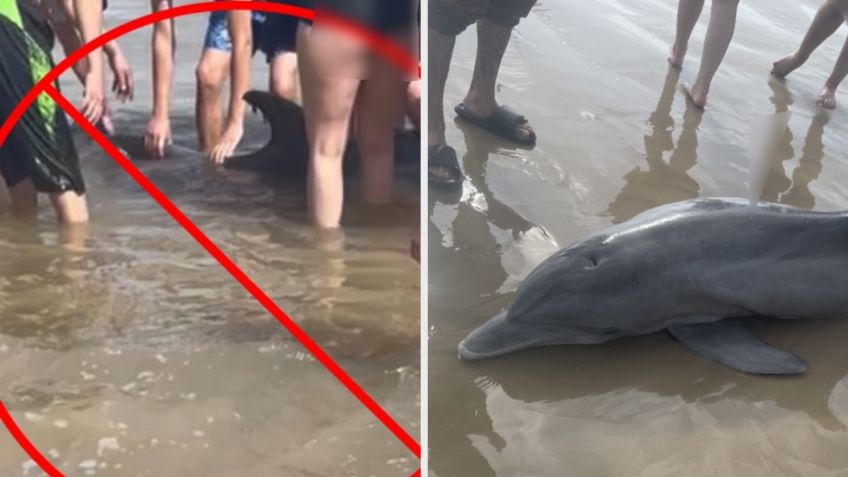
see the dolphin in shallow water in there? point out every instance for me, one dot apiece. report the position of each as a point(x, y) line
point(693, 268)
point(287, 152)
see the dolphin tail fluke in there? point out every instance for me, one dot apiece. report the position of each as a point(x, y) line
point(729, 343)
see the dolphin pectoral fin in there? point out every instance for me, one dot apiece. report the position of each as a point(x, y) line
point(730, 344)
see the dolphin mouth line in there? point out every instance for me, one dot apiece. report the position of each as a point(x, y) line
point(498, 337)
point(468, 354)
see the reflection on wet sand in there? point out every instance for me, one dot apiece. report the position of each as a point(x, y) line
point(662, 182)
point(794, 191)
point(465, 231)
point(639, 406)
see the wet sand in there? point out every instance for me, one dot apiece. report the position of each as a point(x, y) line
point(129, 352)
point(617, 138)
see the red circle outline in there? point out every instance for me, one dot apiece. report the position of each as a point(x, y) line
point(385, 47)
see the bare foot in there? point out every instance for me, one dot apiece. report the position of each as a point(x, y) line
point(786, 65)
point(827, 98)
point(696, 95)
point(676, 55)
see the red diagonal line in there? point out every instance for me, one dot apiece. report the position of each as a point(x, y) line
point(26, 445)
point(236, 272)
point(417, 473)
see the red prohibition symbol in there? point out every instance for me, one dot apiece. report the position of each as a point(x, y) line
point(377, 43)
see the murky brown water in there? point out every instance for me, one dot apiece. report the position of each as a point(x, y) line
point(127, 351)
point(616, 138)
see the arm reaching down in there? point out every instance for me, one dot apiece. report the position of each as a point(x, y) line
point(158, 133)
point(242, 40)
point(90, 24)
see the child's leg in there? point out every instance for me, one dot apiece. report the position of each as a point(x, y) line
point(328, 97)
point(24, 200)
point(688, 12)
point(211, 73)
point(39, 155)
point(70, 207)
point(827, 96)
point(719, 33)
point(379, 108)
point(283, 80)
point(825, 23)
point(413, 102)
point(275, 36)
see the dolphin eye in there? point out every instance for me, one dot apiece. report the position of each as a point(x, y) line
point(593, 262)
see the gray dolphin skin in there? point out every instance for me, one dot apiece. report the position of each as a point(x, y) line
point(287, 152)
point(692, 268)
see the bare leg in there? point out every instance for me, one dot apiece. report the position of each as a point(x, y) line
point(380, 102)
point(825, 23)
point(70, 207)
point(719, 33)
point(284, 78)
point(328, 98)
point(413, 103)
point(211, 73)
point(24, 200)
point(827, 96)
point(439, 59)
point(415, 247)
point(688, 12)
point(492, 40)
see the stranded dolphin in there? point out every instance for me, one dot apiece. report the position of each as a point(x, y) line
point(692, 268)
point(287, 151)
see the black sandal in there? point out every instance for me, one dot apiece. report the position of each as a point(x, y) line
point(440, 155)
point(503, 122)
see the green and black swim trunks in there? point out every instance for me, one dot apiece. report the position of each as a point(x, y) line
point(40, 146)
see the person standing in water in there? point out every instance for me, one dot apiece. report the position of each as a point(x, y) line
point(39, 154)
point(828, 19)
point(719, 33)
point(231, 39)
point(495, 20)
point(342, 80)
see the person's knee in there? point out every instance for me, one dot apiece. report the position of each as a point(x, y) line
point(329, 132)
point(413, 94)
point(330, 147)
point(210, 75)
point(284, 87)
point(71, 207)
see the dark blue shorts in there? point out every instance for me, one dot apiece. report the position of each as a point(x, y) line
point(272, 34)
